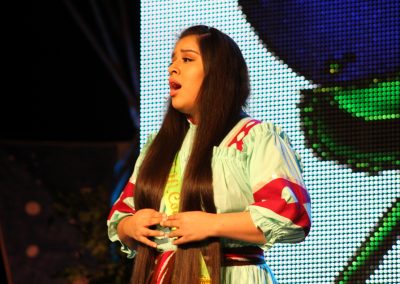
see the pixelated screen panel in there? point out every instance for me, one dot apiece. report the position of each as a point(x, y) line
point(328, 73)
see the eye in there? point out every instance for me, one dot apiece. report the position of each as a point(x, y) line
point(186, 59)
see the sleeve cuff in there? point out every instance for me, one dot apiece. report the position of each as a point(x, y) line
point(113, 235)
point(265, 224)
point(275, 230)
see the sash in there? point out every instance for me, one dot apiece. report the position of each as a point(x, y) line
point(171, 198)
point(172, 191)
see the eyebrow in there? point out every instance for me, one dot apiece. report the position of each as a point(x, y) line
point(185, 50)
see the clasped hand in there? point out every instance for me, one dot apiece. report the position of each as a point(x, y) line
point(187, 226)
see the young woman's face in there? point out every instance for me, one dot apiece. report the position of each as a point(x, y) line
point(186, 76)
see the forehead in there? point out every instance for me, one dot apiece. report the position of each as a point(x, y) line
point(187, 43)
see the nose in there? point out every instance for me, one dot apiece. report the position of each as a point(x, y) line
point(173, 68)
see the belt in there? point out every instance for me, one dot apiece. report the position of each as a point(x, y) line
point(242, 256)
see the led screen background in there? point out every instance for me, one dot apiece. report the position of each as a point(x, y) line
point(330, 86)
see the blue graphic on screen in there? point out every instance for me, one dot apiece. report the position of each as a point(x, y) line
point(362, 36)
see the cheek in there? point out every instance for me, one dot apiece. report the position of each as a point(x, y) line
point(199, 80)
point(195, 81)
point(196, 87)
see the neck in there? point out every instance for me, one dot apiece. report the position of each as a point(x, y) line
point(192, 119)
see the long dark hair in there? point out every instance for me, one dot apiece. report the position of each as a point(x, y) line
point(223, 93)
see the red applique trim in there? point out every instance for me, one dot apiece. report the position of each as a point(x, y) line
point(270, 196)
point(238, 139)
point(120, 206)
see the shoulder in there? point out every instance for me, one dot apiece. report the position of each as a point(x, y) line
point(149, 141)
point(269, 141)
point(266, 130)
point(146, 147)
point(267, 136)
point(239, 132)
point(250, 131)
point(140, 158)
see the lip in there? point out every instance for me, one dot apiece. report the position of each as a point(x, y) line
point(172, 91)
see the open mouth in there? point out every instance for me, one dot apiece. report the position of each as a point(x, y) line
point(174, 86)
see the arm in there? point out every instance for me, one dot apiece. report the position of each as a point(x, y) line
point(198, 225)
point(281, 207)
point(121, 209)
point(126, 224)
point(280, 211)
point(237, 226)
point(123, 236)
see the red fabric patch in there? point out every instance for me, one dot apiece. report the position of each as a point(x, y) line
point(269, 196)
point(245, 130)
point(163, 268)
point(129, 191)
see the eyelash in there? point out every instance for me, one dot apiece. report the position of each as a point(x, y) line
point(184, 59)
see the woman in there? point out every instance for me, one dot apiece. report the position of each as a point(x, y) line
point(213, 189)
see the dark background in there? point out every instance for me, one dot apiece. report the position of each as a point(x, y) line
point(68, 141)
point(72, 94)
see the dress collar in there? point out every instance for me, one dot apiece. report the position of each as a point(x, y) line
point(191, 122)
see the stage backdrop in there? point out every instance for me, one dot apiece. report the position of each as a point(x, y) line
point(328, 73)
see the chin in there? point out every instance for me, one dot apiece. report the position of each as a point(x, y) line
point(178, 108)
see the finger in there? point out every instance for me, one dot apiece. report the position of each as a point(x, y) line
point(175, 216)
point(153, 221)
point(167, 218)
point(157, 214)
point(180, 241)
point(153, 233)
point(170, 223)
point(175, 234)
point(147, 242)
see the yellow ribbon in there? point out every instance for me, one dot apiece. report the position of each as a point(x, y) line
point(171, 196)
point(172, 191)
